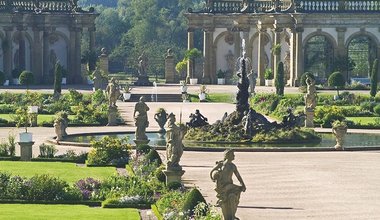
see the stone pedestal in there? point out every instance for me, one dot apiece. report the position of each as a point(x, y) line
point(143, 81)
point(26, 150)
point(170, 75)
point(309, 120)
point(103, 63)
point(112, 116)
point(173, 175)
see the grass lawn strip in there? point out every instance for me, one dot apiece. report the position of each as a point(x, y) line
point(363, 120)
point(65, 171)
point(72, 212)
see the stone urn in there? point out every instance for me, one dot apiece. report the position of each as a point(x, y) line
point(339, 129)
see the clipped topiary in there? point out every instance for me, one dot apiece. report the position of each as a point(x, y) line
point(57, 79)
point(26, 78)
point(374, 78)
point(336, 80)
point(279, 82)
point(304, 76)
point(143, 149)
point(2, 78)
point(153, 156)
point(192, 199)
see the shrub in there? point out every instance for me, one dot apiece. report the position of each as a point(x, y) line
point(16, 73)
point(268, 74)
point(11, 144)
point(72, 194)
point(7, 108)
point(153, 156)
point(88, 187)
point(279, 82)
point(193, 198)
point(303, 78)
point(374, 79)
point(336, 80)
point(47, 151)
point(144, 149)
point(26, 78)
point(45, 187)
point(98, 97)
point(376, 109)
point(327, 114)
point(109, 151)
point(58, 78)
point(174, 185)
point(368, 106)
point(171, 202)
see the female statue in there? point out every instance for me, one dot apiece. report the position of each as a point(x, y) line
point(228, 193)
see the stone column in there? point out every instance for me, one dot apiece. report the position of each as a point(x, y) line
point(299, 59)
point(208, 76)
point(190, 45)
point(26, 151)
point(103, 61)
point(21, 46)
point(237, 43)
point(91, 31)
point(7, 47)
point(37, 55)
point(276, 57)
point(45, 58)
point(76, 74)
point(293, 63)
point(342, 51)
point(260, 57)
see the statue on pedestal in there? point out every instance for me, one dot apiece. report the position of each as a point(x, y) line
point(142, 64)
point(113, 92)
point(310, 97)
point(141, 119)
point(174, 146)
point(60, 124)
point(228, 193)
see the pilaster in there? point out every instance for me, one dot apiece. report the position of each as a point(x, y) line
point(190, 45)
point(7, 47)
point(260, 57)
point(299, 60)
point(37, 54)
point(208, 77)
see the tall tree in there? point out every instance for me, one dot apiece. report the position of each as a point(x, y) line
point(374, 77)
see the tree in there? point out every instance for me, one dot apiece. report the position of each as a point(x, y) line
point(374, 77)
point(279, 82)
point(57, 80)
point(26, 78)
point(336, 80)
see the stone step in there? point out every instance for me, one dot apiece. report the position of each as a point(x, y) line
point(157, 98)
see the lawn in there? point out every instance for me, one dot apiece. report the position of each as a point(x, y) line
point(215, 97)
point(40, 118)
point(72, 212)
point(363, 120)
point(69, 172)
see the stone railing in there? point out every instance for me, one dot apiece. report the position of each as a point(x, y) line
point(325, 6)
point(38, 6)
point(306, 6)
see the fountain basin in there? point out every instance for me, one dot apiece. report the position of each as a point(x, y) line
point(353, 142)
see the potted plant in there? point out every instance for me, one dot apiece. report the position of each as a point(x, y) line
point(268, 76)
point(22, 119)
point(127, 92)
point(64, 76)
point(183, 86)
point(339, 129)
point(15, 76)
point(221, 77)
point(191, 55)
point(202, 93)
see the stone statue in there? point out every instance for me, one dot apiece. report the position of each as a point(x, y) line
point(98, 79)
point(141, 119)
point(228, 193)
point(142, 64)
point(113, 92)
point(310, 97)
point(60, 124)
point(197, 120)
point(174, 146)
point(161, 118)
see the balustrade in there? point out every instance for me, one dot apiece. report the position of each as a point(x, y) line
point(33, 5)
point(307, 6)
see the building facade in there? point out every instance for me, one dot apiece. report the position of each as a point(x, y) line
point(314, 36)
point(36, 34)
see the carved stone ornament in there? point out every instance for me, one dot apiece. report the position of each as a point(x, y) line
point(53, 38)
point(229, 38)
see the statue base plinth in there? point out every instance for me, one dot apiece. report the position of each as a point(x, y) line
point(112, 116)
point(26, 150)
point(173, 175)
point(141, 142)
point(309, 120)
point(143, 81)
